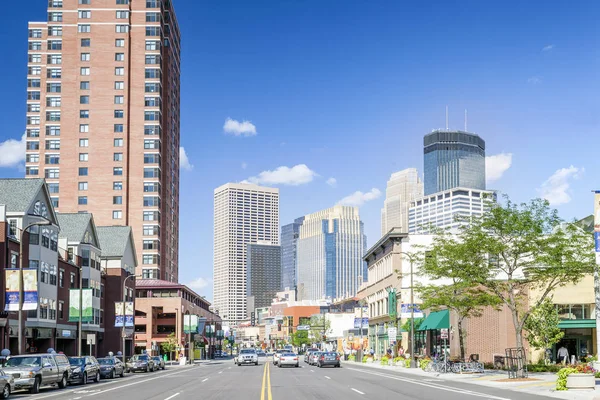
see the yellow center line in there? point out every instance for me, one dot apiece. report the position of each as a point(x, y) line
point(269, 382)
point(264, 380)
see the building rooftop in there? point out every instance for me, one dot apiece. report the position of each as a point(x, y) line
point(113, 240)
point(74, 225)
point(18, 194)
point(161, 284)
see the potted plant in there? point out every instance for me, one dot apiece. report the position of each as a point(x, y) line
point(398, 361)
point(580, 377)
point(384, 360)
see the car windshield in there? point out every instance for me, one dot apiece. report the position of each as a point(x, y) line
point(76, 360)
point(248, 351)
point(24, 362)
point(106, 361)
point(288, 355)
point(140, 358)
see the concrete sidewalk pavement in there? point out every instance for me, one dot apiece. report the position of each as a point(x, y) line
point(538, 383)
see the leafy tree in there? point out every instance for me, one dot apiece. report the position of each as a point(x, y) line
point(169, 345)
point(542, 326)
point(406, 326)
point(524, 249)
point(299, 338)
point(319, 326)
point(448, 261)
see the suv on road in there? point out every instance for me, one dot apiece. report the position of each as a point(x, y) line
point(34, 370)
point(83, 369)
point(247, 356)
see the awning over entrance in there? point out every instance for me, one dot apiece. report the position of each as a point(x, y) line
point(577, 323)
point(436, 320)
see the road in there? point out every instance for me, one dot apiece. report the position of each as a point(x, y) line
point(221, 379)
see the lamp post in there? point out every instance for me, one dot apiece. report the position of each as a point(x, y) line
point(124, 300)
point(411, 258)
point(21, 291)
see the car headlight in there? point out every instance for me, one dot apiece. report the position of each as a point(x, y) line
point(31, 374)
point(77, 370)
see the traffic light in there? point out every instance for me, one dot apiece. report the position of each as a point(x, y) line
point(252, 318)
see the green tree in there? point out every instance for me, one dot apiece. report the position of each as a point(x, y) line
point(542, 326)
point(525, 249)
point(447, 264)
point(319, 327)
point(299, 338)
point(406, 326)
point(169, 345)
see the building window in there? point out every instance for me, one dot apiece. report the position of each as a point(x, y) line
point(84, 28)
point(53, 188)
point(122, 14)
point(118, 113)
point(83, 157)
point(151, 216)
point(152, 31)
point(83, 171)
point(84, 113)
point(52, 159)
point(61, 278)
point(83, 186)
point(117, 171)
point(119, 71)
point(52, 130)
point(118, 142)
point(118, 128)
point(119, 99)
point(84, 14)
point(54, 73)
point(14, 259)
point(85, 57)
point(82, 200)
point(149, 259)
point(32, 171)
point(118, 157)
point(119, 85)
point(32, 145)
point(72, 277)
point(83, 143)
point(86, 42)
point(117, 199)
point(120, 43)
point(84, 128)
point(61, 314)
point(117, 185)
point(152, 59)
point(54, 44)
point(84, 71)
point(117, 214)
point(122, 28)
point(151, 230)
point(54, 201)
point(52, 173)
point(53, 87)
point(84, 99)
point(151, 201)
point(84, 85)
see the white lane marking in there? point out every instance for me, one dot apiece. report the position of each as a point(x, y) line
point(140, 381)
point(312, 370)
point(326, 377)
point(220, 372)
point(204, 380)
point(228, 367)
point(357, 391)
point(432, 385)
point(170, 397)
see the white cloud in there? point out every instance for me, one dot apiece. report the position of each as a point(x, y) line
point(548, 47)
point(184, 161)
point(331, 182)
point(199, 283)
point(359, 198)
point(294, 176)
point(534, 80)
point(12, 152)
point(237, 128)
point(244, 165)
point(496, 166)
point(556, 188)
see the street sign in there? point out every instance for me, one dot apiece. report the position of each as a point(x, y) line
point(392, 333)
point(303, 328)
point(91, 338)
point(444, 333)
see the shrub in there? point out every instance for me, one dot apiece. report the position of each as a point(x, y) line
point(407, 363)
point(425, 362)
point(543, 368)
point(384, 360)
point(364, 359)
point(489, 365)
point(561, 382)
point(351, 357)
point(398, 359)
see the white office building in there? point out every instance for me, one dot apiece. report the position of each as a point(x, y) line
point(403, 188)
point(243, 213)
point(447, 209)
point(330, 249)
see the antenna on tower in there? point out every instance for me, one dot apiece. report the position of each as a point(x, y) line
point(466, 130)
point(446, 117)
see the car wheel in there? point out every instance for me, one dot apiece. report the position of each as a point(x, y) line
point(122, 372)
point(5, 392)
point(84, 379)
point(297, 365)
point(36, 385)
point(63, 382)
point(256, 363)
point(147, 368)
point(97, 378)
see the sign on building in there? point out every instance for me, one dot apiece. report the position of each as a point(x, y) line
point(405, 311)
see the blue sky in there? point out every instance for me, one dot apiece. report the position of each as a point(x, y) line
point(346, 90)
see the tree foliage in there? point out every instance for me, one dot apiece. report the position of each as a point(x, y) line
point(300, 338)
point(542, 326)
point(169, 345)
point(319, 327)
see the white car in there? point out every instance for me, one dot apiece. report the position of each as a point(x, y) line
point(247, 356)
point(288, 358)
point(276, 356)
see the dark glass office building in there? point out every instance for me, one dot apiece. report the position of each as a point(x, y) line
point(289, 261)
point(263, 266)
point(453, 159)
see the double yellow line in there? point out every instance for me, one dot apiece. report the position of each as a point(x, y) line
point(266, 382)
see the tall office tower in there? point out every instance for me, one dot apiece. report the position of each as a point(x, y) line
point(244, 213)
point(263, 266)
point(289, 261)
point(402, 188)
point(453, 159)
point(330, 249)
point(103, 118)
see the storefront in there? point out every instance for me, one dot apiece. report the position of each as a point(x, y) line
point(578, 338)
point(428, 339)
point(66, 341)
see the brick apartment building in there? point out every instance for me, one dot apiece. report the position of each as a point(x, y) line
point(103, 102)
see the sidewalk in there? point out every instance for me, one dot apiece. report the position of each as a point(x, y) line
point(543, 384)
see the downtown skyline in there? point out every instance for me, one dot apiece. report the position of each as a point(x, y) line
point(345, 126)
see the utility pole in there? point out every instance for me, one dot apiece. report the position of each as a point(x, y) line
point(597, 267)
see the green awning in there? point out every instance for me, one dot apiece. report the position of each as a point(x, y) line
point(436, 320)
point(577, 323)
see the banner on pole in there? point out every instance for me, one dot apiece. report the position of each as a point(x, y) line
point(128, 317)
point(30, 289)
point(11, 297)
point(190, 323)
point(87, 312)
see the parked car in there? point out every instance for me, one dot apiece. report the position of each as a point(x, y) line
point(288, 358)
point(328, 358)
point(7, 384)
point(247, 356)
point(307, 354)
point(83, 369)
point(159, 363)
point(276, 356)
point(314, 356)
point(140, 362)
point(34, 370)
point(111, 367)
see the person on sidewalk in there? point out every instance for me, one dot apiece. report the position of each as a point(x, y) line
point(563, 355)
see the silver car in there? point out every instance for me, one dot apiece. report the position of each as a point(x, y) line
point(314, 357)
point(32, 371)
point(288, 359)
point(7, 385)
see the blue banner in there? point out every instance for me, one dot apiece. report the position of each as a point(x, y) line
point(365, 323)
point(597, 240)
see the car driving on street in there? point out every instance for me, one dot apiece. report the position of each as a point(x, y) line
point(276, 356)
point(247, 356)
point(111, 367)
point(35, 370)
point(307, 354)
point(314, 356)
point(328, 358)
point(288, 359)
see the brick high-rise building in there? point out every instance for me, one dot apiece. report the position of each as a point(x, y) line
point(103, 118)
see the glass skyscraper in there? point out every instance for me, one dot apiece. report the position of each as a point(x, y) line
point(263, 271)
point(289, 262)
point(330, 249)
point(453, 159)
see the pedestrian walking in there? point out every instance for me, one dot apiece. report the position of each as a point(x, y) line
point(562, 354)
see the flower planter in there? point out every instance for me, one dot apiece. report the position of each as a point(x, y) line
point(581, 381)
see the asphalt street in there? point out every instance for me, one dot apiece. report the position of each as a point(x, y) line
point(222, 379)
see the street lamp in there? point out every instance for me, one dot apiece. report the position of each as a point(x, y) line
point(124, 300)
point(21, 291)
point(411, 258)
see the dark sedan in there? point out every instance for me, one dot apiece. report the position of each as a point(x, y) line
point(83, 369)
point(159, 363)
point(111, 367)
point(140, 362)
point(328, 358)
